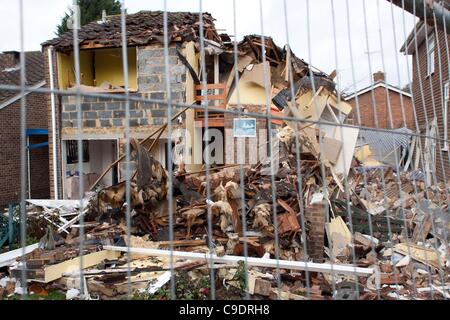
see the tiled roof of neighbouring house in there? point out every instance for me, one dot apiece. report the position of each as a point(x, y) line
point(10, 73)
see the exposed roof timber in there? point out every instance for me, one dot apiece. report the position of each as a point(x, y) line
point(377, 85)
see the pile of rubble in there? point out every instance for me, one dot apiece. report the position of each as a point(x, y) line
point(406, 256)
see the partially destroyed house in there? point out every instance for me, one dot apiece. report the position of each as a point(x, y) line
point(101, 68)
point(103, 119)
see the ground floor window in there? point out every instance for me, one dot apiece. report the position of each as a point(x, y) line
point(72, 151)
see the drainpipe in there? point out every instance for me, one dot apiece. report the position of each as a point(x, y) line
point(28, 165)
point(53, 103)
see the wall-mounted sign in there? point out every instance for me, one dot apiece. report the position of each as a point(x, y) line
point(244, 127)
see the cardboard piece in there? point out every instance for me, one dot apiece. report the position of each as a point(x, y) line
point(339, 234)
point(331, 149)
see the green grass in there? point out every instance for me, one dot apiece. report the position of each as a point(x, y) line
point(54, 295)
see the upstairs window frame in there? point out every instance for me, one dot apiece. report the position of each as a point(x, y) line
point(430, 49)
point(445, 114)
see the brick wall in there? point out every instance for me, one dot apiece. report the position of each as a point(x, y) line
point(428, 96)
point(151, 72)
point(101, 115)
point(36, 107)
point(367, 108)
point(315, 218)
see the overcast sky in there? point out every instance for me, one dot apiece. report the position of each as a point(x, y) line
point(42, 16)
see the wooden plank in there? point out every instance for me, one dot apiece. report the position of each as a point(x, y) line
point(56, 271)
point(287, 222)
point(211, 97)
point(426, 256)
point(181, 243)
point(214, 122)
point(210, 86)
point(229, 82)
point(93, 45)
point(235, 216)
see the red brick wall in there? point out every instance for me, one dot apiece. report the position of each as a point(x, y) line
point(315, 218)
point(367, 109)
point(427, 92)
point(36, 107)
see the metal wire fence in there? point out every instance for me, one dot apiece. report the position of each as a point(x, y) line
point(406, 259)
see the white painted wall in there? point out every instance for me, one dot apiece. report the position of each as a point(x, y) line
point(101, 154)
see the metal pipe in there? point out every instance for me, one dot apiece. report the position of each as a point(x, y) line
point(53, 104)
point(28, 165)
point(432, 7)
point(258, 262)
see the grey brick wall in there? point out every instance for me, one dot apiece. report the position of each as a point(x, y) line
point(110, 113)
point(151, 73)
point(101, 113)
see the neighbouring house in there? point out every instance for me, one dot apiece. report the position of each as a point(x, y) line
point(37, 168)
point(103, 118)
point(374, 102)
point(384, 106)
point(430, 90)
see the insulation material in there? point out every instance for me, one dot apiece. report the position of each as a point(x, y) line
point(365, 155)
point(348, 138)
point(251, 86)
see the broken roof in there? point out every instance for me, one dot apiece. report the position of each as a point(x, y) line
point(142, 28)
point(34, 68)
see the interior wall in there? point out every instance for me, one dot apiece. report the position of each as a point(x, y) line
point(108, 67)
point(67, 69)
point(101, 154)
point(249, 93)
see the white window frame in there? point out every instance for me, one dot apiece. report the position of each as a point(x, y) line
point(445, 114)
point(430, 55)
